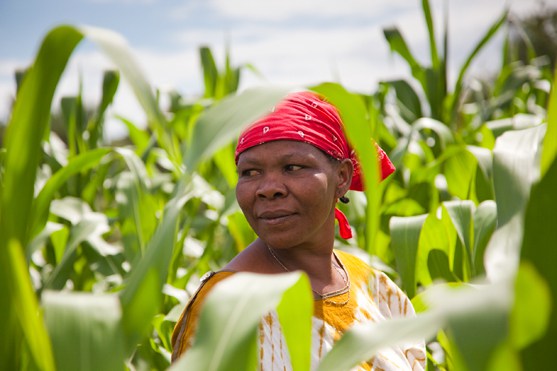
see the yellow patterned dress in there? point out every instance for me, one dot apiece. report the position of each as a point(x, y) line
point(372, 297)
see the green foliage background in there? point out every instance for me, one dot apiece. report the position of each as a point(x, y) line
point(99, 240)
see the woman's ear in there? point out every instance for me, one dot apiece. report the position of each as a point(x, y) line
point(344, 171)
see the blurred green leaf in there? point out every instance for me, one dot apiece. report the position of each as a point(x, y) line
point(460, 213)
point(478, 334)
point(224, 121)
point(485, 222)
point(538, 249)
point(210, 71)
point(85, 330)
point(490, 34)
point(25, 341)
point(398, 44)
point(116, 47)
point(360, 126)
point(459, 169)
point(405, 237)
point(141, 296)
point(439, 266)
point(445, 135)
point(364, 340)
point(87, 224)
point(514, 170)
point(230, 317)
point(25, 130)
point(550, 140)
point(531, 311)
point(22, 140)
point(111, 79)
point(408, 100)
point(77, 164)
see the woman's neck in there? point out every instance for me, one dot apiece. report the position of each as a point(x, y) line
point(320, 265)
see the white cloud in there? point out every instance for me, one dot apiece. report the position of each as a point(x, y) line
point(340, 40)
point(277, 10)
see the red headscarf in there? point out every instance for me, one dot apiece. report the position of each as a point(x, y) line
point(306, 117)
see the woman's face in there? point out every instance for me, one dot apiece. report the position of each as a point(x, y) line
point(288, 190)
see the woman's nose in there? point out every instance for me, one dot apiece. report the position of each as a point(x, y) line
point(271, 186)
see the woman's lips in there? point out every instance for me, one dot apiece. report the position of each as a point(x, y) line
point(275, 217)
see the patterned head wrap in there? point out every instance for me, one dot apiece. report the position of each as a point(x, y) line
point(306, 117)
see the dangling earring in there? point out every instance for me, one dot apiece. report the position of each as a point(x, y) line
point(344, 199)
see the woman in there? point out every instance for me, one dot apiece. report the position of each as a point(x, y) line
point(294, 165)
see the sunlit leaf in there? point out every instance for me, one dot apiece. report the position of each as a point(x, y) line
point(531, 311)
point(459, 169)
point(485, 221)
point(77, 164)
point(23, 136)
point(550, 141)
point(514, 170)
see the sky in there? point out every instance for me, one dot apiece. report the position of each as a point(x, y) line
point(289, 42)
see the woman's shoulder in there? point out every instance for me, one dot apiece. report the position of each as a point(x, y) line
point(207, 282)
point(185, 327)
point(384, 291)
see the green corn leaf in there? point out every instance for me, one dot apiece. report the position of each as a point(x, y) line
point(117, 49)
point(230, 317)
point(142, 295)
point(408, 100)
point(398, 44)
point(111, 80)
point(223, 122)
point(459, 169)
point(210, 71)
point(460, 79)
point(450, 308)
point(85, 330)
point(436, 249)
point(461, 213)
point(360, 127)
point(87, 224)
point(478, 334)
point(363, 341)
point(485, 221)
point(514, 170)
point(405, 237)
point(550, 141)
point(435, 60)
point(139, 137)
point(41, 204)
point(26, 127)
point(439, 266)
point(25, 342)
point(538, 249)
point(23, 136)
point(445, 135)
point(531, 312)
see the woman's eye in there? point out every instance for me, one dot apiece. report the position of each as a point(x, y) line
point(293, 167)
point(248, 172)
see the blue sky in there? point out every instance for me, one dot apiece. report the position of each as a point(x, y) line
point(298, 42)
